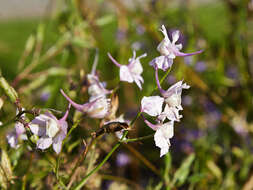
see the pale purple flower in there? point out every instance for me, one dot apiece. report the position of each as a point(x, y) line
point(164, 132)
point(172, 96)
point(152, 105)
point(122, 159)
point(18, 133)
point(131, 72)
point(95, 108)
point(50, 130)
point(200, 66)
point(44, 96)
point(169, 50)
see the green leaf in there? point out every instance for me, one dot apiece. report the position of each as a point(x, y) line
point(6, 175)
point(214, 169)
point(182, 173)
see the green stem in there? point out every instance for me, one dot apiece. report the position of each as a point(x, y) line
point(137, 139)
point(9, 90)
point(81, 184)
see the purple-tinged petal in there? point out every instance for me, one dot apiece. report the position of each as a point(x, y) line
point(66, 114)
point(164, 31)
point(158, 82)
point(44, 143)
point(19, 128)
point(162, 137)
point(113, 60)
point(12, 139)
point(82, 108)
point(138, 80)
point(151, 125)
point(38, 125)
point(178, 53)
point(161, 62)
point(175, 36)
point(152, 105)
point(125, 74)
point(100, 109)
point(57, 147)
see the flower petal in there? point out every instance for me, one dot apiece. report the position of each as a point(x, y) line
point(125, 74)
point(162, 137)
point(175, 36)
point(152, 105)
point(38, 125)
point(57, 147)
point(162, 62)
point(44, 143)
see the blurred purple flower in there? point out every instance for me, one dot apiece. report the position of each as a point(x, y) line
point(140, 29)
point(120, 35)
point(232, 72)
point(18, 133)
point(171, 79)
point(122, 159)
point(44, 96)
point(188, 60)
point(200, 66)
point(213, 115)
point(187, 100)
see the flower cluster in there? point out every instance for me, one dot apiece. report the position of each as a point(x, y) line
point(167, 106)
point(164, 107)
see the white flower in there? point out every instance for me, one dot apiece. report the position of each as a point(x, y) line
point(50, 130)
point(152, 105)
point(169, 50)
point(131, 72)
point(164, 132)
point(162, 137)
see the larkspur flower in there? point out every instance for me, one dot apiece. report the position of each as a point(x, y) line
point(50, 130)
point(131, 72)
point(172, 96)
point(164, 132)
point(169, 50)
point(97, 108)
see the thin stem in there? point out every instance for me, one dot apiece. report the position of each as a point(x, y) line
point(157, 81)
point(81, 184)
point(143, 159)
point(113, 60)
point(95, 63)
point(137, 139)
